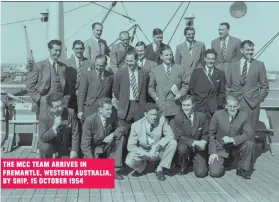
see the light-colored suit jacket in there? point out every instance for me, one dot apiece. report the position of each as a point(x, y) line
point(149, 65)
point(138, 136)
point(92, 49)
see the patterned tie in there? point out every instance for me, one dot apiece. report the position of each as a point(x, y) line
point(190, 47)
point(134, 85)
point(79, 67)
point(244, 73)
point(168, 71)
point(54, 66)
point(223, 49)
point(157, 48)
point(209, 72)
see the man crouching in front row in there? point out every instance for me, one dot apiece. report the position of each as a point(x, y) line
point(151, 139)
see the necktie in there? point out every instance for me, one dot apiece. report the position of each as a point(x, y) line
point(190, 47)
point(134, 85)
point(209, 72)
point(231, 118)
point(168, 71)
point(141, 64)
point(190, 120)
point(54, 67)
point(244, 73)
point(151, 128)
point(157, 48)
point(100, 76)
point(223, 49)
point(79, 67)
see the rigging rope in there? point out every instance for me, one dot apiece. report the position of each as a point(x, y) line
point(125, 10)
point(173, 16)
point(179, 23)
point(259, 53)
point(144, 34)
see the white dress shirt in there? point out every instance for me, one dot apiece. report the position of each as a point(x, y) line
point(137, 82)
point(242, 61)
point(188, 44)
point(77, 61)
point(104, 121)
point(154, 46)
point(141, 63)
point(51, 63)
point(150, 139)
point(207, 70)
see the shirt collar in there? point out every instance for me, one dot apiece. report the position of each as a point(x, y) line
point(103, 119)
point(142, 62)
point(136, 70)
point(207, 69)
point(77, 59)
point(51, 60)
point(226, 39)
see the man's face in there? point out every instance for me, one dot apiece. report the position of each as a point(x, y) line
point(106, 110)
point(247, 52)
point(140, 51)
point(187, 106)
point(210, 60)
point(100, 65)
point(223, 31)
point(131, 62)
point(125, 39)
point(167, 56)
point(232, 106)
point(55, 52)
point(158, 38)
point(57, 108)
point(151, 116)
point(190, 36)
point(97, 31)
point(78, 50)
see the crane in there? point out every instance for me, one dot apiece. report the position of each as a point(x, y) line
point(30, 57)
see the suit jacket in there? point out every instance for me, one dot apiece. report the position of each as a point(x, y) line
point(149, 65)
point(94, 133)
point(92, 49)
point(208, 94)
point(138, 136)
point(239, 128)
point(255, 90)
point(152, 55)
point(187, 60)
point(68, 131)
point(39, 81)
point(117, 54)
point(185, 133)
point(121, 89)
point(91, 89)
point(160, 86)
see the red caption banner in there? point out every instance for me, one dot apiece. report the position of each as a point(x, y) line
point(57, 173)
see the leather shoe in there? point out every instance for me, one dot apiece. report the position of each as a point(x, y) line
point(137, 174)
point(160, 176)
point(118, 176)
point(243, 173)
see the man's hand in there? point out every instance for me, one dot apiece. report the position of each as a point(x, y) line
point(154, 150)
point(228, 140)
point(56, 123)
point(177, 96)
point(201, 144)
point(80, 115)
point(108, 139)
point(212, 158)
point(73, 155)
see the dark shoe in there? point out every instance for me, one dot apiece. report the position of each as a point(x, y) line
point(243, 173)
point(118, 176)
point(160, 176)
point(137, 174)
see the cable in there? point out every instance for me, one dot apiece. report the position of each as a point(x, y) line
point(179, 23)
point(144, 34)
point(125, 10)
point(77, 8)
point(266, 46)
point(173, 16)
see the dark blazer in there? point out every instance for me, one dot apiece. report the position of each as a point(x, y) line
point(152, 55)
point(184, 133)
point(121, 90)
point(91, 89)
point(239, 128)
point(255, 90)
point(69, 129)
point(92, 49)
point(208, 95)
point(93, 132)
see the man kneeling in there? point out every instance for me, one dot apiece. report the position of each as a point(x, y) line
point(151, 139)
point(230, 130)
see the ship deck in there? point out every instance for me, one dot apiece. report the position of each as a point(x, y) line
point(263, 186)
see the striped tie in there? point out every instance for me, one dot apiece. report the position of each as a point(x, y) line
point(190, 47)
point(244, 73)
point(79, 68)
point(54, 67)
point(134, 85)
point(168, 71)
point(223, 49)
point(157, 48)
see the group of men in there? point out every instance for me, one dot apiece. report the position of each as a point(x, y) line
point(148, 104)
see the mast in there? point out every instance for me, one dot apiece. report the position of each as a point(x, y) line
point(108, 12)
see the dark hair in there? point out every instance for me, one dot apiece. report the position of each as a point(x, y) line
point(54, 97)
point(210, 51)
point(187, 97)
point(226, 24)
point(54, 42)
point(124, 32)
point(131, 52)
point(188, 29)
point(141, 43)
point(149, 106)
point(248, 42)
point(157, 31)
point(100, 57)
point(96, 23)
point(78, 42)
point(231, 97)
point(104, 100)
point(165, 47)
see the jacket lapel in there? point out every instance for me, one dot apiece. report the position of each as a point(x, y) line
point(194, 51)
point(229, 47)
point(61, 69)
point(140, 80)
point(195, 124)
point(237, 69)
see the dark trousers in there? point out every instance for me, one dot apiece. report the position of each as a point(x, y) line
point(46, 150)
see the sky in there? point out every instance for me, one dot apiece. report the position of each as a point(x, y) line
point(258, 25)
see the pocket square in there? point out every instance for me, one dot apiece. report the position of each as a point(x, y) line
point(218, 81)
point(199, 128)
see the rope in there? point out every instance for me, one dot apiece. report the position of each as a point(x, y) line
point(179, 23)
point(144, 34)
point(173, 16)
point(259, 53)
point(125, 10)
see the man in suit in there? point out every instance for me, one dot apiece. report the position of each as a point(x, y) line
point(168, 82)
point(230, 131)
point(151, 139)
point(95, 45)
point(95, 84)
point(190, 54)
point(153, 50)
point(118, 51)
point(227, 47)
point(48, 76)
point(207, 85)
point(247, 80)
point(102, 131)
point(77, 65)
point(191, 132)
point(143, 62)
point(58, 129)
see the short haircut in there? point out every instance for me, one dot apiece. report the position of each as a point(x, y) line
point(231, 97)
point(141, 43)
point(165, 47)
point(187, 97)
point(132, 52)
point(149, 106)
point(96, 23)
point(78, 42)
point(188, 29)
point(157, 31)
point(226, 24)
point(248, 42)
point(124, 32)
point(101, 57)
point(54, 97)
point(210, 51)
point(54, 42)
point(104, 100)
